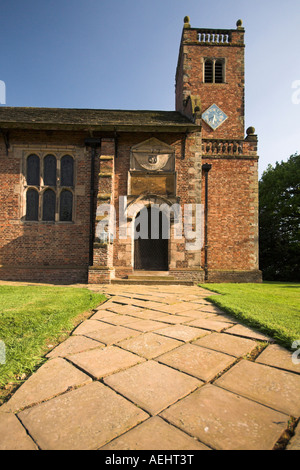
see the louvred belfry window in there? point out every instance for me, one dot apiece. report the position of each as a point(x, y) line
point(214, 71)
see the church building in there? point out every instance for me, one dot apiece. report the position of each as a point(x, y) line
point(76, 184)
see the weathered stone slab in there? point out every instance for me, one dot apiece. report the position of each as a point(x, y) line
point(53, 378)
point(211, 309)
point(228, 344)
point(89, 325)
point(120, 300)
point(179, 308)
point(145, 325)
point(152, 386)
point(241, 330)
point(73, 345)
point(200, 301)
point(203, 363)
point(155, 434)
point(211, 325)
point(12, 434)
point(277, 356)
point(150, 345)
point(145, 314)
point(200, 362)
point(112, 334)
point(117, 319)
point(173, 319)
point(123, 309)
point(225, 421)
point(271, 387)
point(196, 314)
point(102, 314)
point(294, 443)
point(84, 419)
point(102, 362)
point(182, 332)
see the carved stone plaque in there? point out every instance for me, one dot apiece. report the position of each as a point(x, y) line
point(152, 155)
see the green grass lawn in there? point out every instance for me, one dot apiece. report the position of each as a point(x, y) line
point(271, 307)
point(34, 317)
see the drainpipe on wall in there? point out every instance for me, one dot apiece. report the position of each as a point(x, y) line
point(206, 167)
point(94, 144)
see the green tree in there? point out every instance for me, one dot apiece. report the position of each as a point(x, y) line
point(279, 221)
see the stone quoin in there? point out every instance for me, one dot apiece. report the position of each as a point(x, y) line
point(58, 167)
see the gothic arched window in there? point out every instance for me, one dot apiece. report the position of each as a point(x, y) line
point(49, 203)
point(33, 170)
point(50, 170)
point(66, 206)
point(67, 171)
point(32, 204)
point(46, 197)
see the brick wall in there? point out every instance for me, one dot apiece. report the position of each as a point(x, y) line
point(25, 247)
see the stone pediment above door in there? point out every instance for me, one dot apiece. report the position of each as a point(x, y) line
point(152, 155)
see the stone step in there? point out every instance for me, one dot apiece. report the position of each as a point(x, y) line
point(139, 273)
point(151, 278)
point(153, 282)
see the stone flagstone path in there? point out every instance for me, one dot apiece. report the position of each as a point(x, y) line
point(157, 368)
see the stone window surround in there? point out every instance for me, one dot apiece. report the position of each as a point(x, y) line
point(42, 151)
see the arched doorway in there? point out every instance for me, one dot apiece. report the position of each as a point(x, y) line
point(151, 240)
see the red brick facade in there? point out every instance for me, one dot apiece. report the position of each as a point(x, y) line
point(106, 148)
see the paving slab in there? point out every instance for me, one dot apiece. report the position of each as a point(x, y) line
point(212, 325)
point(155, 434)
point(116, 319)
point(145, 325)
point(195, 314)
point(119, 299)
point(53, 378)
point(102, 314)
point(150, 345)
point(173, 319)
point(111, 334)
point(89, 325)
point(225, 421)
point(152, 386)
point(182, 332)
point(84, 419)
point(211, 309)
point(145, 314)
point(294, 443)
point(267, 385)
point(13, 436)
point(73, 345)
point(205, 364)
point(123, 309)
point(102, 362)
point(276, 356)
point(244, 331)
point(228, 344)
point(178, 307)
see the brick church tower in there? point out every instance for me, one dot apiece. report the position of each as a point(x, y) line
point(210, 80)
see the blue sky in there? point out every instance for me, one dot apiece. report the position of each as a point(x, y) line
point(122, 54)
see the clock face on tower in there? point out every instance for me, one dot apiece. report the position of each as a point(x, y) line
point(214, 116)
